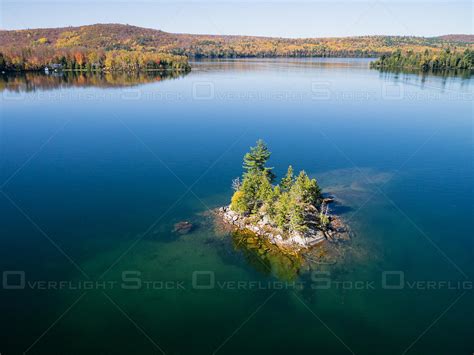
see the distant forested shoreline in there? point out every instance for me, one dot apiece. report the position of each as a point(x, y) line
point(80, 59)
point(427, 61)
point(116, 47)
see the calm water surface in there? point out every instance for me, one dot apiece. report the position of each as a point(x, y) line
point(95, 171)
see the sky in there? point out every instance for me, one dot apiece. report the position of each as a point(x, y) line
point(278, 18)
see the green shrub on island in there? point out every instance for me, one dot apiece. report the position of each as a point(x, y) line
point(285, 204)
point(426, 61)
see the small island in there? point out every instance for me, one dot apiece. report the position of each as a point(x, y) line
point(292, 215)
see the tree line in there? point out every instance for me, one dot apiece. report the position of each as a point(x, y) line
point(284, 204)
point(426, 61)
point(116, 37)
point(83, 59)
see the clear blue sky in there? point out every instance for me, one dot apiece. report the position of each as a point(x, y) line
point(282, 18)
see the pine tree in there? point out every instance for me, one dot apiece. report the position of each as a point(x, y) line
point(256, 159)
point(296, 219)
point(288, 180)
point(306, 190)
point(256, 190)
point(270, 203)
point(265, 189)
point(250, 189)
point(282, 209)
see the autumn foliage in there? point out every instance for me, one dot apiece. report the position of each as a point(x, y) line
point(126, 48)
point(80, 58)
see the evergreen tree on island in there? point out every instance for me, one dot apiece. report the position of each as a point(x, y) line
point(284, 205)
point(255, 160)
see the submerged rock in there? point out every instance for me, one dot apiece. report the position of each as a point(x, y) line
point(183, 227)
point(328, 200)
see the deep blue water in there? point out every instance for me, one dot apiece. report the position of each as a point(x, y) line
point(95, 176)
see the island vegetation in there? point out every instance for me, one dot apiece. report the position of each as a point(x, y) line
point(284, 203)
point(291, 214)
point(115, 47)
point(427, 61)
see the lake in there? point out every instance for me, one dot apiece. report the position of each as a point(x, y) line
point(95, 170)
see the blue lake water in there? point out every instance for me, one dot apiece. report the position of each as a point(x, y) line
point(94, 173)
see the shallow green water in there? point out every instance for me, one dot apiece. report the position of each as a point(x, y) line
point(95, 172)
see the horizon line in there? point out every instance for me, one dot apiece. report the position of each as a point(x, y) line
point(232, 35)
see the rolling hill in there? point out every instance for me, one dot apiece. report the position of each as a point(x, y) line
point(131, 38)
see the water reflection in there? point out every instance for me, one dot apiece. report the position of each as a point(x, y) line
point(265, 257)
point(422, 78)
point(32, 81)
point(279, 64)
point(459, 73)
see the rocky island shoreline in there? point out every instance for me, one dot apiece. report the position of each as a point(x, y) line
point(292, 215)
point(335, 231)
